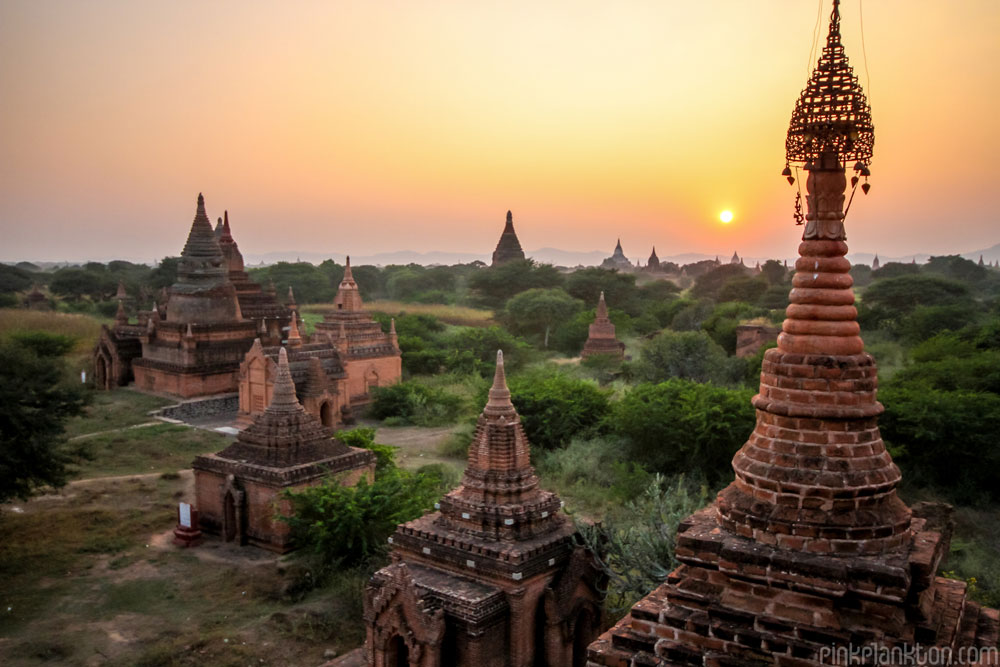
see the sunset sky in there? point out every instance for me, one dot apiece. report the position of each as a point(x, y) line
point(378, 126)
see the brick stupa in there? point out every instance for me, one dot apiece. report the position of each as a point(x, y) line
point(618, 260)
point(370, 356)
point(809, 552)
point(602, 340)
point(238, 489)
point(493, 579)
point(197, 348)
point(508, 247)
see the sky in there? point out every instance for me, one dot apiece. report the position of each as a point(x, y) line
point(367, 127)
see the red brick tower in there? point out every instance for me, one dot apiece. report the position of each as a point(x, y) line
point(493, 579)
point(602, 335)
point(371, 358)
point(508, 247)
point(809, 552)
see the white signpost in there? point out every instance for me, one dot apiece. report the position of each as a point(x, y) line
point(185, 515)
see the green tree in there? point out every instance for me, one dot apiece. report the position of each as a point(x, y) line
point(310, 284)
point(890, 299)
point(774, 272)
point(492, 287)
point(721, 324)
point(165, 274)
point(619, 288)
point(895, 270)
point(709, 283)
point(742, 288)
point(554, 407)
point(35, 400)
point(684, 426)
point(690, 355)
point(537, 311)
point(14, 279)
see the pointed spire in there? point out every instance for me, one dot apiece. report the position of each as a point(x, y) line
point(508, 247)
point(347, 270)
point(618, 247)
point(602, 308)
point(122, 294)
point(200, 211)
point(291, 296)
point(510, 217)
point(499, 401)
point(190, 332)
point(283, 398)
point(227, 234)
point(392, 326)
point(121, 317)
point(263, 328)
point(294, 338)
point(218, 228)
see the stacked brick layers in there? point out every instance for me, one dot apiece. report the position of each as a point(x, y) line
point(601, 339)
point(809, 549)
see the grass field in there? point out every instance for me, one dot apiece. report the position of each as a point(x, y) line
point(164, 448)
point(84, 328)
point(458, 315)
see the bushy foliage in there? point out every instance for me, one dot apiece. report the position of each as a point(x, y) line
point(554, 407)
point(342, 526)
point(593, 471)
point(538, 312)
point(895, 270)
point(944, 438)
point(691, 355)
point(619, 288)
point(474, 350)
point(743, 289)
point(14, 279)
point(35, 401)
point(310, 283)
point(492, 287)
point(721, 324)
point(709, 283)
point(412, 402)
point(364, 437)
point(635, 547)
point(681, 426)
point(889, 300)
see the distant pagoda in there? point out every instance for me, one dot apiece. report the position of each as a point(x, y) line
point(653, 263)
point(809, 557)
point(602, 340)
point(508, 247)
point(618, 260)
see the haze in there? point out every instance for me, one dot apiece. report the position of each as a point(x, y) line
point(372, 127)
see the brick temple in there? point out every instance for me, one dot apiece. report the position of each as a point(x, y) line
point(262, 308)
point(370, 356)
point(602, 340)
point(238, 490)
point(508, 247)
point(809, 550)
point(618, 260)
point(492, 579)
point(318, 371)
point(197, 347)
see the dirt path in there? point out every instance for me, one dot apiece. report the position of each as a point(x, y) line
point(418, 445)
point(114, 430)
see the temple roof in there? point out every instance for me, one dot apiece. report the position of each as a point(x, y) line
point(202, 263)
point(348, 295)
point(284, 434)
point(499, 498)
point(508, 247)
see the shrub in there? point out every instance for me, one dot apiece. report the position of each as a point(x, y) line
point(555, 407)
point(691, 355)
point(681, 426)
point(592, 471)
point(416, 403)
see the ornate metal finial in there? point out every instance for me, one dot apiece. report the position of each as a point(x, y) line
point(832, 117)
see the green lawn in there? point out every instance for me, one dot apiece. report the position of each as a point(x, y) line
point(158, 448)
point(114, 409)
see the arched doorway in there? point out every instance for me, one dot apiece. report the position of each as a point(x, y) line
point(326, 414)
point(396, 653)
point(229, 520)
point(583, 632)
point(101, 373)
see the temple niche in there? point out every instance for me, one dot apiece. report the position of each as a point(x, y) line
point(197, 346)
point(602, 340)
point(238, 489)
point(492, 579)
point(508, 247)
point(370, 356)
point(809, 556)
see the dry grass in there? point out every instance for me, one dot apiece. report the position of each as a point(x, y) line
point(457, 315)
point(83, 328)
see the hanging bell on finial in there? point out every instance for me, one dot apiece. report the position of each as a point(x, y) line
point(854, 181)
point(865, 187)
point(866, 172)
point(787, 173)
point(858, 166)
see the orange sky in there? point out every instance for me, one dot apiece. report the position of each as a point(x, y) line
point(375, 126)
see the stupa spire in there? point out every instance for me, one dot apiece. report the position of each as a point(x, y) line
point(294, 337)
point(508, 247)
point(283, 399)
point(602, 307)
point(499, 395)
point(121, 317)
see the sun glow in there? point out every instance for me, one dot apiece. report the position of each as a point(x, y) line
point(726, 217)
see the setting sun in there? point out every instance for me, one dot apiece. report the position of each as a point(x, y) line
point(726, 217)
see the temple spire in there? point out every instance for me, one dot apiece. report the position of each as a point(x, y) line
point(499, 396)
point(602, 307)
point(283, 399)
point(508, 247)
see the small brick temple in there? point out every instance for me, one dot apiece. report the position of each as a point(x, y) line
point(508, 247)
point(602, 340)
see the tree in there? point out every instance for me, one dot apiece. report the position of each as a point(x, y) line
point(721, 324)
point(554, 407)
point(14, 279)
point(311, 285)
point(774, 272)
point(895, 270)
point(683, 426)
point(708, 284)
point(494, 286)
point(691, 355)
point(890, 299)
point(35, 401)
point(619, 288)
point(165, 274)
point(537, 311)
point(742, 288)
